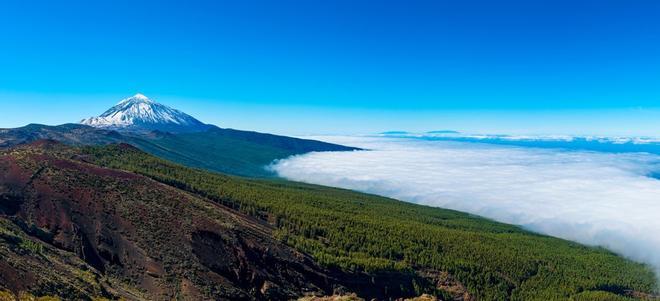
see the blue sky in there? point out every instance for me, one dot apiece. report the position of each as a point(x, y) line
point(340, 66)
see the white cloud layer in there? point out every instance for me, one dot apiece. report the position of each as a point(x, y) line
point(593, 198)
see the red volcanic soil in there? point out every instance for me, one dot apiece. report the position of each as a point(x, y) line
point(134, 237)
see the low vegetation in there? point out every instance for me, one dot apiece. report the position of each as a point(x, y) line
point(25, 296)
point(228, 151)
point(359, 233)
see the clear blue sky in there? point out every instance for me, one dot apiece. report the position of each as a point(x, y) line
point(340, 66)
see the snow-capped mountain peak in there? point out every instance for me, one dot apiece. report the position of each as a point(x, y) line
point(140, 113)
point(135, 98)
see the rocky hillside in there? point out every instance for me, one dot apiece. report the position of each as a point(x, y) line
point(115, 222)
point(76, 230)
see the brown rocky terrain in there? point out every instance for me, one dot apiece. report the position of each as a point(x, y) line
point(76, 230)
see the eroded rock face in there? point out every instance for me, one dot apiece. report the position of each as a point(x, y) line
point(449, 284)
point(142, 234)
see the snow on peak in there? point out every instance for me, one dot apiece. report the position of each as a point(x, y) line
point(140, 96)
point(138, 112)
point(136, 98)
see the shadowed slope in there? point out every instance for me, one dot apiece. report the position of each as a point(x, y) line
point(229, 151)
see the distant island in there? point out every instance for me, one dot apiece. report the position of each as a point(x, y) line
point(443, 132)
point(395, 133)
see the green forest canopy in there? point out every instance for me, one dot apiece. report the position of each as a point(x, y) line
point(360, 232)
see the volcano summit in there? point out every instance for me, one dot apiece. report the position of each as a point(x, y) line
point(139, 113)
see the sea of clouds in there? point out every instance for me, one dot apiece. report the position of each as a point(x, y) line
point(603, 199)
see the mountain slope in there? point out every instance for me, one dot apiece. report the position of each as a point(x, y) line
point(73, 134)
point(457, 255)
point(223, 150)
point(71, 228)
point(230, 151)
point(76, 230)
point(139, 113)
